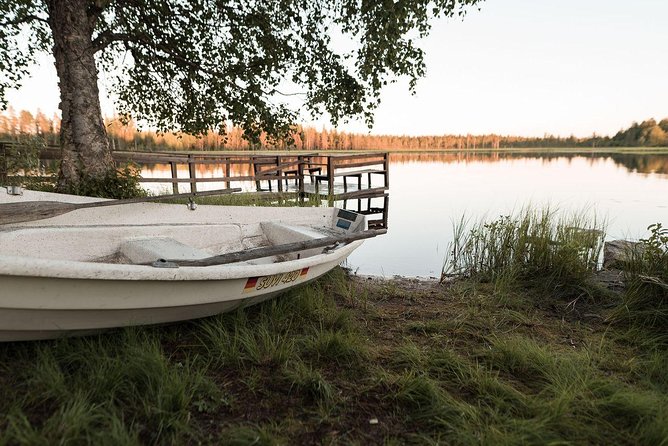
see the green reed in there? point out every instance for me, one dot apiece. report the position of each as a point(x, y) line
point(645, 300)
point(537, 246)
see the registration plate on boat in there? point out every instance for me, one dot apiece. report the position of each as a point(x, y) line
point(264, 282)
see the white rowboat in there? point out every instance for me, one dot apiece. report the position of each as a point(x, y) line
point(95, 268)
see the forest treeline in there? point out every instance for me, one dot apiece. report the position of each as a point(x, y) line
point(648, 133)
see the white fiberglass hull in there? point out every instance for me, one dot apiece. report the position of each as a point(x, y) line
point(47, 296)
point(48, 307)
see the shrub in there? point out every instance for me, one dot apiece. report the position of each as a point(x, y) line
point(532, 246)
point(119, 183)
point(645, 302)
point(23, 165)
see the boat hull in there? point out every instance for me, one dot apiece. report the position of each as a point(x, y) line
point(124, 303)
point(92, 269)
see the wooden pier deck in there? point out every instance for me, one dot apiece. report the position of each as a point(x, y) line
point(355, 179)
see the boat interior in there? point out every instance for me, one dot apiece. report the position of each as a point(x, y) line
point(144, 244)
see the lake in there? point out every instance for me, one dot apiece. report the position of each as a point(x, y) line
point(431, 190)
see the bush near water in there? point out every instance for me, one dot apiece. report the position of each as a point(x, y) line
point(536, 246)
point(645, 302)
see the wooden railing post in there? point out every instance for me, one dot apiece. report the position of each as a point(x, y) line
point(330, 174)
point(3, 164)
point(192, 169)
point(175, 174)
point(254, 170)
point(279, 173)
point(268, 181)
point(228, 172)
point(300, 174)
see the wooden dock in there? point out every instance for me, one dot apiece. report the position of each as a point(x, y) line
point(359, 180)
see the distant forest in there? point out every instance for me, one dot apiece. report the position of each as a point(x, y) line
point(648, 133)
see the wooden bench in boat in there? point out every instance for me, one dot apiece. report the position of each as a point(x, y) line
point(268, 235)
point(149, 249)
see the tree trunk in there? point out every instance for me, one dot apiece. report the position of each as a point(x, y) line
point(83, 137)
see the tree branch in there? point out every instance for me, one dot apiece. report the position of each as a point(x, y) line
point(106, 38)
point(25, 19)
point(299, 93)
point(95, 9)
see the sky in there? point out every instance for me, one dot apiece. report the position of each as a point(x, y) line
point(514, 67)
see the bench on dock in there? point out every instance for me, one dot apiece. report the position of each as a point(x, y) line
point(354, 166)
point(351, 174)
point(285, 168)
point(294, 174)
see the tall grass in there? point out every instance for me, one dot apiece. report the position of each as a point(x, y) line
point(278, 199)
point(122, 385)
point(645, 301)
point(443, 368)
point(303, 378)
point(515, 390)
point(538, 246)
point(235, 341)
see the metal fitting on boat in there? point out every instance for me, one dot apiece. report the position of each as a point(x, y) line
point(162, 263)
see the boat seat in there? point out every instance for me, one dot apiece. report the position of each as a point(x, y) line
point(150, 249)
point(278, 233)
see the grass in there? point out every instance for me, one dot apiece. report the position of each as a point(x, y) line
point(90, 388)
point(425, 364)
point(307, 381)
point(645, 303)
point(281, 199)
point(534, 246)
point(508, 354)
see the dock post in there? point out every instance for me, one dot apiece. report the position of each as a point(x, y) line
point(300, 175)
point(386, 168)
point(227, 172)
point(279, 173)
point(192, 170)
point(175, 174)
point(330, 174)
point(254, 170)
point(3, 164)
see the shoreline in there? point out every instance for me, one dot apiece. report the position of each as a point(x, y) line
point(349, 359)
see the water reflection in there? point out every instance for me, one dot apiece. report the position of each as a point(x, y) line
point(650, 163)
point(431, 190)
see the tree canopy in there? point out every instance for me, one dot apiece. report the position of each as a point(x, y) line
point(192, 65)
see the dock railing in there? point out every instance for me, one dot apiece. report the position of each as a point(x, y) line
point(348, 177)
point(3, 164)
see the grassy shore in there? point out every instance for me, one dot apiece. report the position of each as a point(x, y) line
point(525, 346)
point(350, 361)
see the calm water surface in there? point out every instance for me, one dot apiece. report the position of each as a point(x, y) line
point(430, 191)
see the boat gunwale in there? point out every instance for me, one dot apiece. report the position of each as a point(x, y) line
point(29, 267)
point(104, 295)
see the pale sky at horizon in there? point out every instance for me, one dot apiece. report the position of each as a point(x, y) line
point(520, 67)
